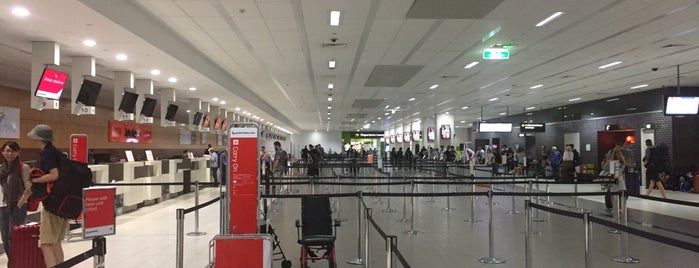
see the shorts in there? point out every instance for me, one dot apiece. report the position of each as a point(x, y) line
point(52, 229)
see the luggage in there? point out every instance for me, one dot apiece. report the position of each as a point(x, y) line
point(25, 251)
point(633, 183)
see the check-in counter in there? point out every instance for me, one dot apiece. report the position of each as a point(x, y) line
point(201, 170)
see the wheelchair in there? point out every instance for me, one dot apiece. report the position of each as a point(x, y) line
point(316, 231)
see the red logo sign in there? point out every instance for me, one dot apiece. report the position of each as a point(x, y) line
point(243, 181)
point(78, 147)
point(98, 216)
point(51, 84)
point(130, 132)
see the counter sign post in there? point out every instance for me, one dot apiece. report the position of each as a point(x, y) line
point(244, 184)
point(99, 220)
point(78, 147)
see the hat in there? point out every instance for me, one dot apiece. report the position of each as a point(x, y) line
point(41, 132)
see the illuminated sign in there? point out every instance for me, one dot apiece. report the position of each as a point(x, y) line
point(496, 54)
point(532, 127)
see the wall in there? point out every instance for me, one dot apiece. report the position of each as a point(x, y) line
point(331, 140)
point(462, 135)
point(165, 140)
point(684, 135)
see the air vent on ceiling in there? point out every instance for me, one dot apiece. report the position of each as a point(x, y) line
point(673, 45)
point(449, 76)
point(333, 45)
point(567, 76)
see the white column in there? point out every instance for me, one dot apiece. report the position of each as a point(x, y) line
point(81, 68)
point(167, 97)
point(43, 54)
point(144, 88)
point(122, 81)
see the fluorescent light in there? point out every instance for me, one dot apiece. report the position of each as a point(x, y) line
point(470, 65)
point(609, 65)
point(385, 114)
point(245, 112)
point(122, 57)
point(574, 99)
point(89, 43)
point(537, 86)
point(397, 108)
point(262, 120)
point(329, 107)
point(215, 99)
point(464, 108)
point(503, 113)
point(192, 88)
point(20, 12)
point(434, 86)
point(530, 113)
point(386, 106)
point(531, 108)
point(614, 99)
point(493, 99)
point(331, 86)
point(188, 111)
point(331, 64)
point(237, 108)
point(172, 79)
point(411, 99)
point(373, 122)
point(330, 98)
point(463, 121)
point(639, 86)
point(335, 18)
point(223, 102)
point(155, 72)
point(379, 118)
point(549, 19)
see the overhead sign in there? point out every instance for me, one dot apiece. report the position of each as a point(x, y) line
point(375, 135)
point(532, 127)
point(78, 148)
point(496, 54)
point(99, 217)
point(494, 127)
point(243, 182)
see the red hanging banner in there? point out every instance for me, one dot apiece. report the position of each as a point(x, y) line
point(243, 183)
point(78, 147)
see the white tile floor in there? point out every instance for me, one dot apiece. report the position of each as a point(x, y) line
point(146, 238)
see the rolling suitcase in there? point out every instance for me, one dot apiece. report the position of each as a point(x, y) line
point(633, 183)
point(25, 249)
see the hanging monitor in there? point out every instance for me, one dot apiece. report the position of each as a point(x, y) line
point(197, 118)
point(88, 93)
point(495, 127)
point(148, 107)
point(51, 84)
point(217, 123)
point(430, 134)
point(128, 102)
point(681, 105)
point(445, 131)
point(171, 112)
point(207, 120)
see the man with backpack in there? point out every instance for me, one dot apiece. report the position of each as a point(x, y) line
point(281, 159)
point(53, 228)
point(657, 163)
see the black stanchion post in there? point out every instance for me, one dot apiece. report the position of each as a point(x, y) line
point(527, 234)
point(616, 210)
point(405, 204)
point(367, 253)
point(412, 230)
point(513, 210)
point(223, 213)
point(588, 239)
point(358, 260)
point(473, 202)
point(179, 252)
point(624, 258)
point(491, 259)
point(389, 251)
point(99, 247)
point(537, 216)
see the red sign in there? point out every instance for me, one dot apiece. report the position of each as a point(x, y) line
point(244, 183)
point(78, 147)
point(128, 132)
point(99, 216)
point(253, 251)
point(51, 84)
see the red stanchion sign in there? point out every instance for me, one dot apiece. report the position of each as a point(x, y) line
point(99, 217)
point(243, 182)
point(78, 147)
point(243, 251)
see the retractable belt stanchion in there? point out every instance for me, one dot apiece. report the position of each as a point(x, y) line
point(588, 239)
point(527, 234)
point(388, 201)
point(616, 210)
point(548, 197)
point(358, 260)
point(431, 197)
point(448, 208)
point(196, 212)
point(312, 186)
point(412, 230)
point(537, 216)
point(513, 211)
point(577, 200)
point(624, 258)
point(389, 251)
point(491, 259)
point(405, 202)
point(179, 254)
point(492, 189)
point(339, 200)
point(473, 203)
point(367, 252)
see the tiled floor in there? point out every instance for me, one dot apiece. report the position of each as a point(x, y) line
point(146, 238)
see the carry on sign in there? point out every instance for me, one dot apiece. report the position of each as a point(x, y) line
point(243, 182)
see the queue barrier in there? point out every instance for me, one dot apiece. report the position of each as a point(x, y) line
point(98, 250)
point(180, 216)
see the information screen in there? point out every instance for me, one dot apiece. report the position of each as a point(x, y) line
point(51, 84)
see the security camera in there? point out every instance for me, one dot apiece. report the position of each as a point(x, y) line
point(654, 69)
point(333, 39)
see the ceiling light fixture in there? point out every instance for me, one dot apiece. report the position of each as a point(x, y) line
point(434, 86)
point(20, 12)
point(464, 108)
point(172, 79)
point(411, 99)
point(537, 86)
point(379, 118)
point(639, 86)
point(470, 65)
point(215, 99)
point(121, 57)
point(531, 108)
point(237, 108)
point(189, 111)
point(155, 72)
point(493, 99)
point(462, 121)
point(335, 18)
point(192, 89)
point(614, 99)
point(223, 102)
point(330, 98)
point(550, 18)
point(329, 107)
point(446, 113)
point(574, 99)
point(331, 86)
point(331, 64)
point(609, 65)
point(503, 113)
point(89, 43)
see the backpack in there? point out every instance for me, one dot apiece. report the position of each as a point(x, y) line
point(65, 198)
point(576, 158)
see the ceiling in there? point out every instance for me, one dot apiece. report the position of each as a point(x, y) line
point(270, 57)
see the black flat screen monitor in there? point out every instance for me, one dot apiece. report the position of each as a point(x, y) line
point(681, 105)
point(128, 102)
point(197, 118)
point(148, 107)
point(88, 93)
point(51, 84)
point(171, 112)
point(207, 120)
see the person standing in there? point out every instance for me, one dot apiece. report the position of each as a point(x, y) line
point(213, 157)
point(281, 160)
point(208, 149)
point(53, 228)
point(555, 162)
point(223, 166)
point(16, 189)
point(656, 167)
point(399, 158)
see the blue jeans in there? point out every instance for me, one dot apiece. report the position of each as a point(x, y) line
point(214, 174)
point(10, 216)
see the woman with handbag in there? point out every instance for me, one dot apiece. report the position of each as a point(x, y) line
point(16, 189)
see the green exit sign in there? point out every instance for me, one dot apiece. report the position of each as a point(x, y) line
point(496, 53)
